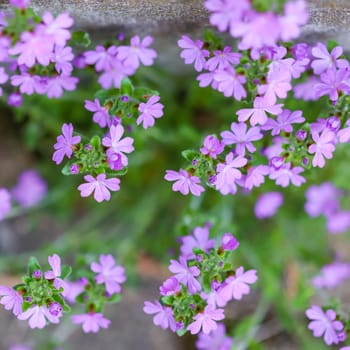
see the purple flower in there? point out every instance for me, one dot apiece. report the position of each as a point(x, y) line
point(20, 347)
point(92, 322)
point(118, 145)
point(184, 182)
point(344, 134)
point(101, 115)
point(65, 143)
point(185, 274)
point(206, 320)
point(170, 286)
point(306, 90)
point(332, 275)
point(215, 340)
point(11, 300)
point(21, 4)
point(5, 202)
point(15, 99)
point(102, 58)
point(236, 286)
point(322, 148)
point(212, 146)
point(164, 316)
point(223, 59)
point(137, 53)
point(338, 222)
point(229, 242)
point(230, 83)
point(284, 122)
point(30, 189)
point(287, 174)
point(100, 186)
point(227, 174)
point(108, 273)
point(295, 16)
point(56, 85)
point(55, 309)
point(199, 239)
point(62, 57)
point(73, 289)
point(28, 84)
point(114, 76)
point(267, 204)
point(193, 52)
point(241, 137)
point(322, 199)
point(256, 176)
point(224, 14)
point(332, 82)
point(324, 324)
point(258, 114)
point(149, 111)
point(325, 60)
point(37, 316)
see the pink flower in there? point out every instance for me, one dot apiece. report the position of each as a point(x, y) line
point(324, 323)
point(108, 273)
point(137, 53)
point(114, 76)
point(236, 286)
point(101, 115)
point(118, 145)
point(228, 174)
point(206, 320)
point(184, 182)
point(344, 134)
point(338, 222)
point(332, 275)
point(56, 85)
point(149, 112)
point(55, 273)
point(58, 28)
point(258, 114)
point(37, 316)
point(28, 84)
point(295, 16)
point(193, 52)
point(62, 57)
point(100, 186)
point(92, 322)
point(164, 316)
point(241, 137)
point(230, 83)
point(186, 275)
point(212, 146)
point(11, 300)
point(287, 174)
point(199, 239)
point(323, 147)
point(171, 286)
point(256, 176)
point(21, 4)
point(65, 143)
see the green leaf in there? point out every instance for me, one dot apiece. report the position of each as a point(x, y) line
point(80, 38)
point(167, 300)
point(331, 44)
point(181, 332)
point(107, 95)
point(95, 142)
point(25, 306)
point(143, 93)
point(66, 169)
point(190, 154)
point(115, 298)
point(120, 172)
point(126, 87)
point(33, 265)
point(66, 270)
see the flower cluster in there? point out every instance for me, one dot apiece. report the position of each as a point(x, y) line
point(325, 200)
point(288, 142)
point(36, 53)
point(95, 290)
point(203, 282)
point(29, 190)
point(39, 299)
